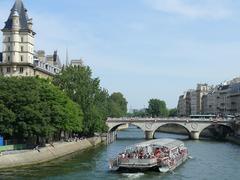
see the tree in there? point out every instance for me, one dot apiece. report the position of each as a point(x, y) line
point(7, 117)
point(85, 90)
point(117, 105)
point(157, 108)
point(37, 109)
point(138, 113)
point(173, 112)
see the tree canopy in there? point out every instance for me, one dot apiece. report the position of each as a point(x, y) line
point(85, 90)
point(32, 107)
point(138, 113)
point(157, 108)
point(71, 103)
point(117, 105)
point(173, 112)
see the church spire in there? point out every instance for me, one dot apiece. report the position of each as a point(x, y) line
point(67, 58)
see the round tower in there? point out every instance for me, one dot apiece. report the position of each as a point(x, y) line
point(30, 24)
point(15, 21)
point(15, 38)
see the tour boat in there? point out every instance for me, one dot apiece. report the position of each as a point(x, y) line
point(160, 155)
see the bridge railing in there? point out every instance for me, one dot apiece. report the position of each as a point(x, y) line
point(171, 119)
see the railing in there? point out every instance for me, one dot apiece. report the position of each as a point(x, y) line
point(46, 66)
point(170, 119)
point(12, 147)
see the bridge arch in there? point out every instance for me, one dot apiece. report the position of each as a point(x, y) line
point(114, 127)
point(172, 123)
point(225, 128)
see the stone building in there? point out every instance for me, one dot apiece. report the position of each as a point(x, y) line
point(184, 104)
point(234, 98)
point(77, 63)
point(209, 103)
point(196, 98)
point(224, 99)
point(18, 56)
point(223, 103)
point(191, 103)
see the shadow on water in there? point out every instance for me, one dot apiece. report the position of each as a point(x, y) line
point(75, 162)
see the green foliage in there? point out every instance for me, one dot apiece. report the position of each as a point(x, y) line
point(117, 105)
point(74, 102)
point(157, 108)
point(79, 85)
point(36, 108)
point(173, 112)
point(138, 113)
point(7, 117)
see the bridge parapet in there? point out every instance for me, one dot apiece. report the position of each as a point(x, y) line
point(150, 125)
point(214, 120)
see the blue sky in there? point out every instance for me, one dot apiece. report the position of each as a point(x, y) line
point(142, 48)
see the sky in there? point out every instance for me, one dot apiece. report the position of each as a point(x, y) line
point(142, 48)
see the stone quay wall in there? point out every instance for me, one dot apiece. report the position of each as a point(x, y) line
point(48, 153)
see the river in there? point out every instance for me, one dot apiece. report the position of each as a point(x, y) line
point(211, 160)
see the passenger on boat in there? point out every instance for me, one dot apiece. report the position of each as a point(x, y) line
point(157, 152)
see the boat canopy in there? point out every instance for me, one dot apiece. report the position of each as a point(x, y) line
point(168, 143)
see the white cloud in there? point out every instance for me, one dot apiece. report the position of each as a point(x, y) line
point(209, 9)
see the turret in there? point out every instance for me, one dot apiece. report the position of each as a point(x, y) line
point(30, 24)
point(15, 21)
point(18, 35)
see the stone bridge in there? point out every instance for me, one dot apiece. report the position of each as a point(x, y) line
point(149, 125)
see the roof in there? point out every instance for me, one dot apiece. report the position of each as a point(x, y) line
point(169, 143)
point(19, 8)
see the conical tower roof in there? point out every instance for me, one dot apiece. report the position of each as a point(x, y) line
point(23, 17)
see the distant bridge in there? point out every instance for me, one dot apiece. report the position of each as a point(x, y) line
point(149, 125)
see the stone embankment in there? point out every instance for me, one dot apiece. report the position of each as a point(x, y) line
point(234, 139)
point(48, 153)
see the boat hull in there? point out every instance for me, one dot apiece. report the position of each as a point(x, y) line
point(158, 168)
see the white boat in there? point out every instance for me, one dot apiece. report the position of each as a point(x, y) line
point(162, 155)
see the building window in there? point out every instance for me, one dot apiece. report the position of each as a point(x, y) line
point(8, 69)
point(8, 58)
point(21, 39)
point(9, 39)
point(21, 58)
point(9, 48)
point(21, 70)
point(21, 48)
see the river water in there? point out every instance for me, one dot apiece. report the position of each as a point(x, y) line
point(211, 160)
